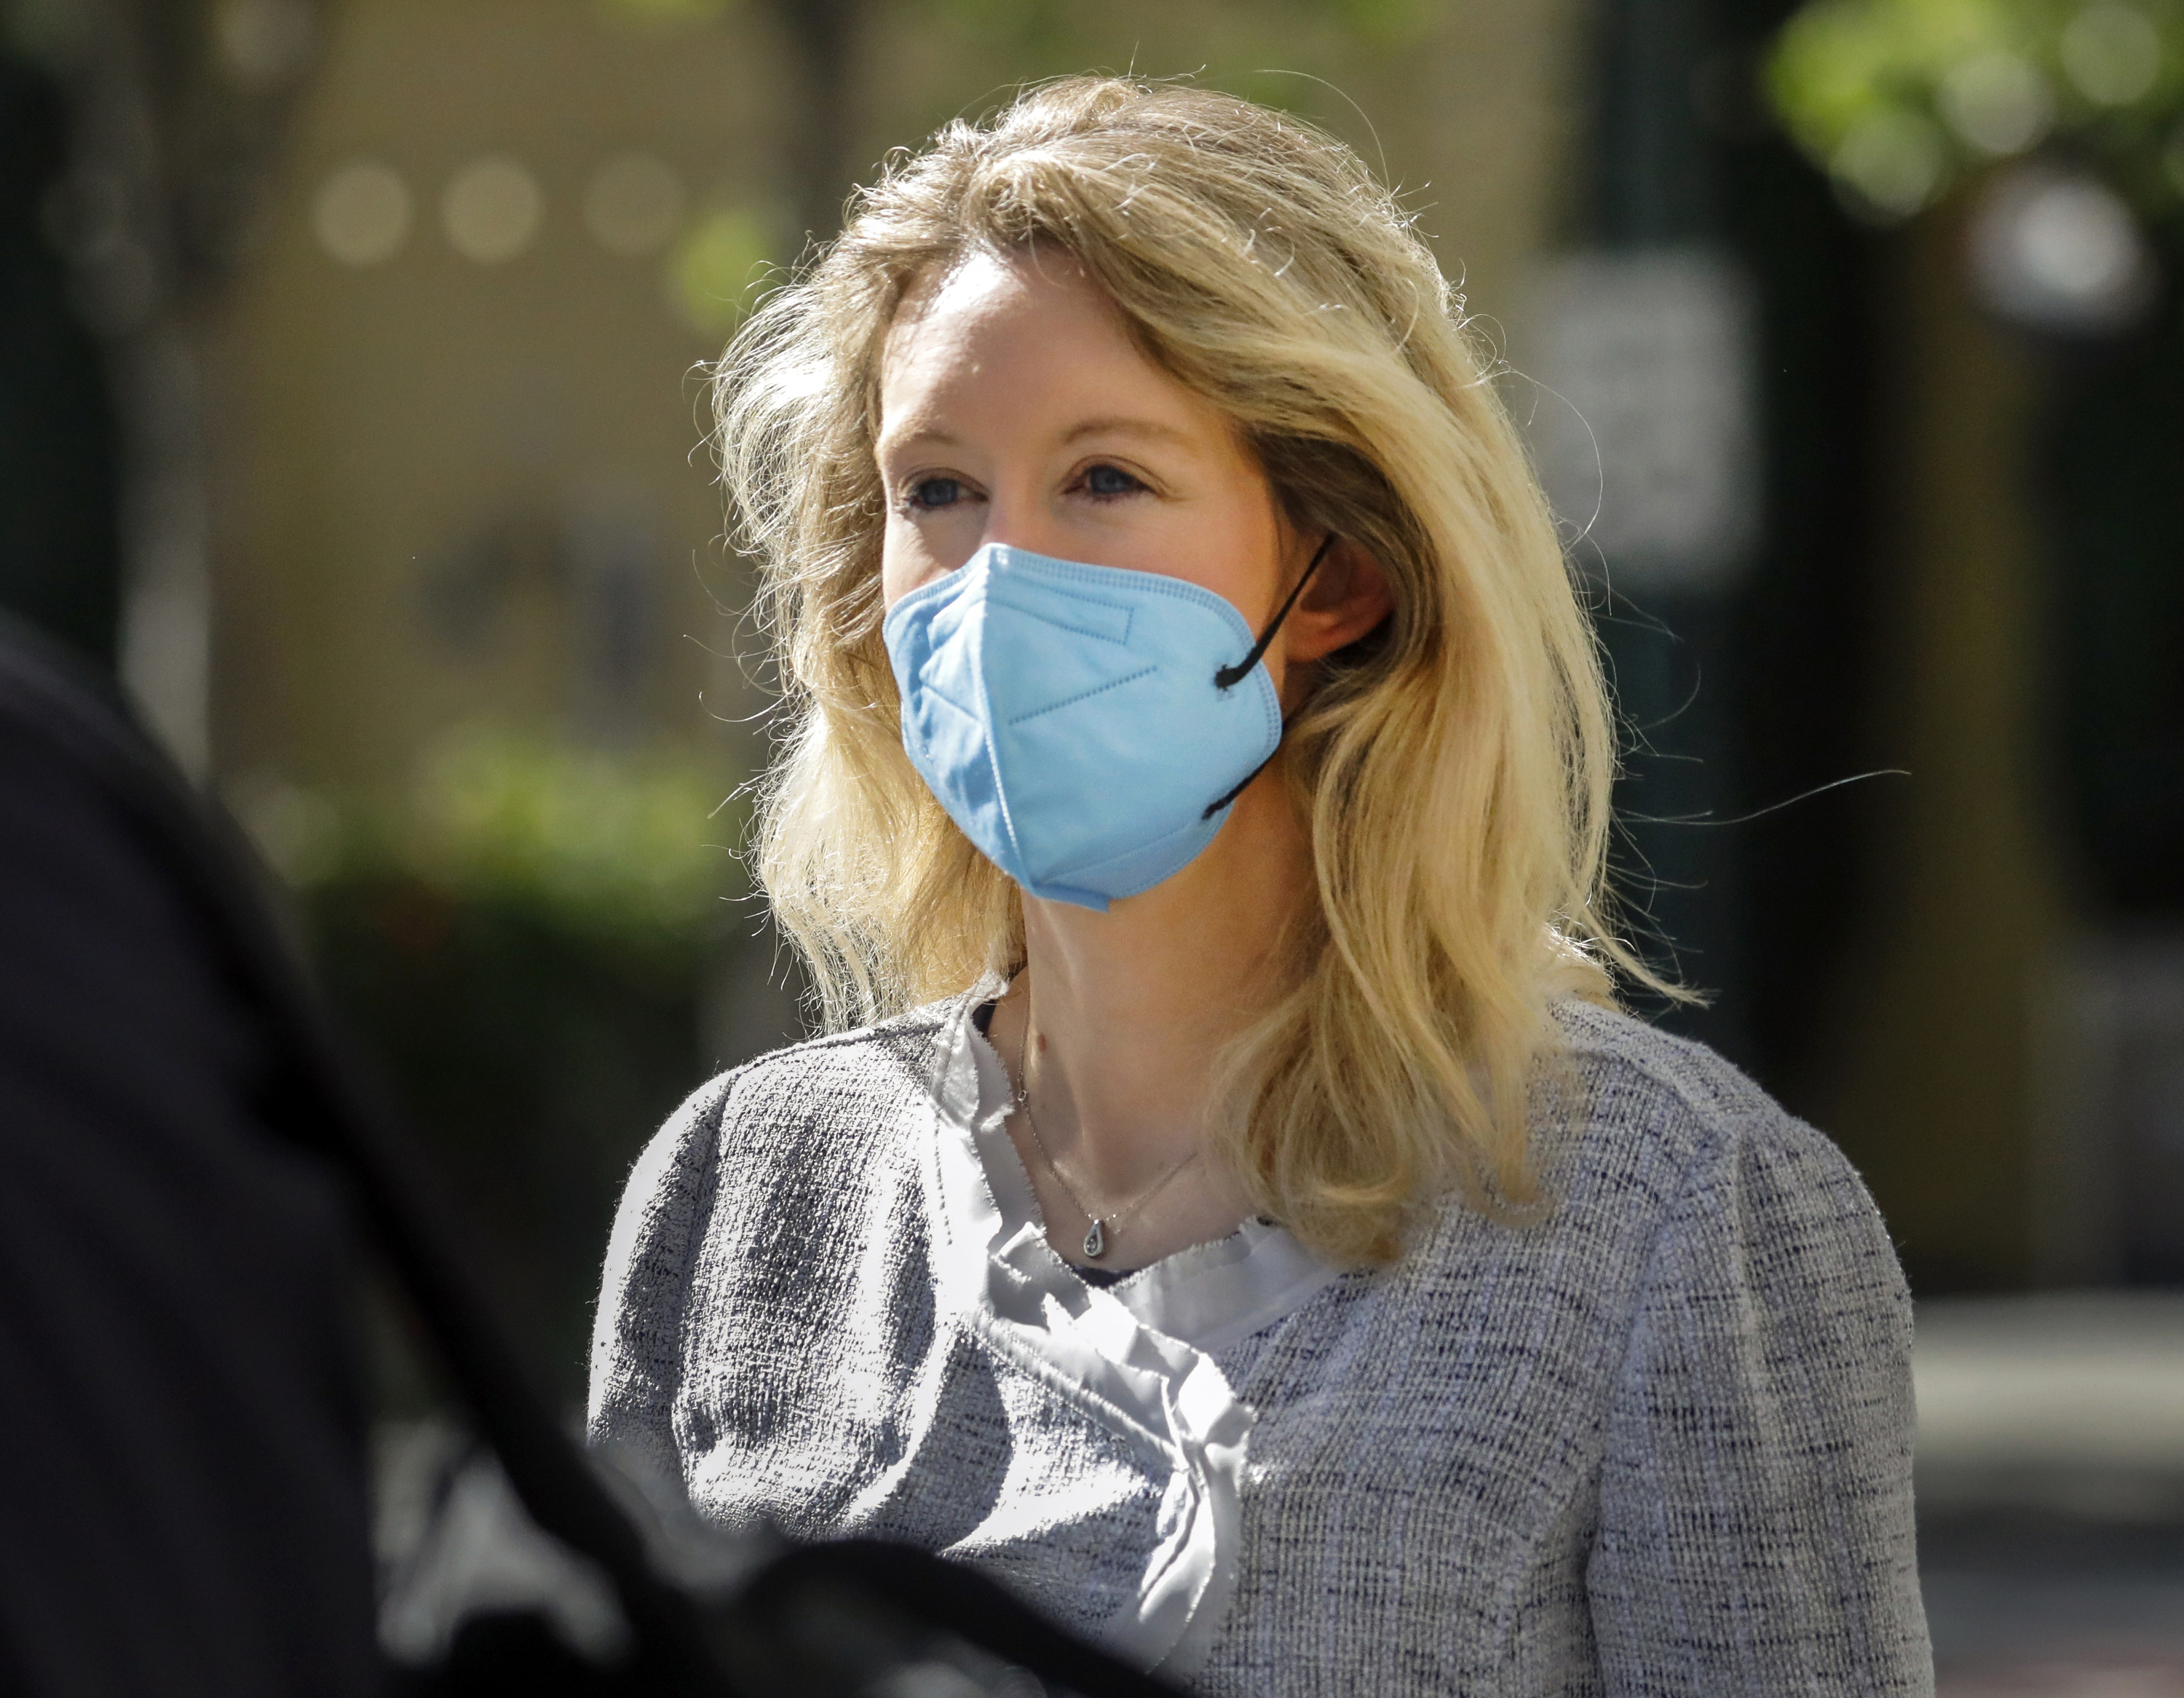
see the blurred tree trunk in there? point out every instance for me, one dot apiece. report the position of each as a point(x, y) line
point(177, 108)
point(1937, 1090)
point(821, 38)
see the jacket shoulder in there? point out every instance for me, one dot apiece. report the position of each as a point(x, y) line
point(1628, 1088)
point(822, 1101)
point(1646, 1142)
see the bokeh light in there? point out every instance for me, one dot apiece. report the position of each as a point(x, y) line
point(262, 44)
point(1891, 161)
point(2112, 52)
point(361, 214)
point(1998, 102)
point(2059, 251)
point(492, 210)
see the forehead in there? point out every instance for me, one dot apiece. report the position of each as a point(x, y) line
point(1035, 323)
point(981, 289)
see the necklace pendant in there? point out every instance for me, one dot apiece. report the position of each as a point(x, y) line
point(1095, 1243)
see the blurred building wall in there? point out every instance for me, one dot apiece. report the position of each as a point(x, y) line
point(456, 486)
point(461, 486)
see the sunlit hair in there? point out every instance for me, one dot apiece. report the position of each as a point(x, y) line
point(1454, 768)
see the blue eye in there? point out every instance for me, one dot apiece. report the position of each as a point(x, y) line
point(1109, 480)
point(928, 494)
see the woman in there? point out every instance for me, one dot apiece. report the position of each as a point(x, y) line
point(1228, 1208)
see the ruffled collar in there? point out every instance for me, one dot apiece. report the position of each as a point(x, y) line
point(1139, 1352)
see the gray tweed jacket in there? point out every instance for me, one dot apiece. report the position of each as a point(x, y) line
point(1657, 1442)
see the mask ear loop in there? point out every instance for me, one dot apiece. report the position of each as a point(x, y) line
point(1229, 677)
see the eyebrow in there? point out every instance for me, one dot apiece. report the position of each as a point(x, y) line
point(918, 433)
point(1117, 426)
point(1123, 426)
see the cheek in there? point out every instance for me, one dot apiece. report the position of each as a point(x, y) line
point(904, 562)
point(1243, 547)
point(914, 552)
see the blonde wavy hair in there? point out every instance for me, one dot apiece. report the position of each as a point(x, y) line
point(1453, 769)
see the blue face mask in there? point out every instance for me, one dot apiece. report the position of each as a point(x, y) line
point(1086, 727)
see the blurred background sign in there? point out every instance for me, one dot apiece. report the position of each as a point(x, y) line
point(1648, 436)
point(351, 403)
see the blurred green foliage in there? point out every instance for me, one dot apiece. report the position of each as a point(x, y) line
point(525, 935)
point(667, 12)
point(1900, 99)
point(717, 267)
point(1375, 20)
point(630, 849)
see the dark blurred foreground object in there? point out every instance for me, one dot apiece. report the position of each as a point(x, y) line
point(182, 1492)
point(182, 1496)
point(60, 544)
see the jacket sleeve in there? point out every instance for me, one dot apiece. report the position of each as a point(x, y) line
point(639, 1331)
point(1756, 1531)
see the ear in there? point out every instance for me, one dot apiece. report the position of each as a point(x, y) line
point(1348, 597)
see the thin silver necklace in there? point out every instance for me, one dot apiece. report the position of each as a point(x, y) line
point(1095, 1235)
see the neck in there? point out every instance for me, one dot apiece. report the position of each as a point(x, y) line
point(1126, 1008)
